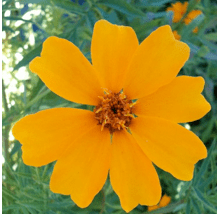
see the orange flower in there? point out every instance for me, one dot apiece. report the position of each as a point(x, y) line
point(121, 71)
point(179, 11)
point(176, 35)
point(165, 200)
point(191, 16)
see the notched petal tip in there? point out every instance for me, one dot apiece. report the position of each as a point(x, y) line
point(201, 83)
point(183, 46)
point(169, 145)
point(64, 70)
point(161, 47)
point(105, 22)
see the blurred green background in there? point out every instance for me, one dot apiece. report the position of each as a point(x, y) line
point(26, 24)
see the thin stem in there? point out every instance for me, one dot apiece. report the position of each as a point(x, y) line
point(7, 128)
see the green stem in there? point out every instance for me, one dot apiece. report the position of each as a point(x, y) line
point(35, 100)
point(6, 134)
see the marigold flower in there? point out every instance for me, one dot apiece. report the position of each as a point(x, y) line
point(191, 16)
point(121, 71)
point(176, 35)
point(165, 200)
point(179, 9)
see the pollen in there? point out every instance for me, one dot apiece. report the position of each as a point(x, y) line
point(114, 111)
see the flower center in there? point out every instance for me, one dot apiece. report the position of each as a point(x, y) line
point(114, 111)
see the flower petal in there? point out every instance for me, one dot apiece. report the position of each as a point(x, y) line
point(111, 50)
point(179, 101)
point(191, 16)
point(65, 70)
point(165, 200)
point(156, 62)
point(179, 10)
point(83, 169)
point(45, 135)
point(132, 174)
point(170, 146)
point(155, 207)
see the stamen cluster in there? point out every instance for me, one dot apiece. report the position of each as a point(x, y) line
point(114, 111)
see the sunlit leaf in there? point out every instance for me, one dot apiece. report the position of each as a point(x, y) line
point(69, 6)
point(123, 7)
point(29, 57)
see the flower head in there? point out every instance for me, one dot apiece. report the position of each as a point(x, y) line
point(143, 132)
point(191, 16)
point(165, 200)
point(179, 9)
point(176, 35)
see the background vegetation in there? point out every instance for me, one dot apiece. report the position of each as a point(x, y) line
point(26, 24)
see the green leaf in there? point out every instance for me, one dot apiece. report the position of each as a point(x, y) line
point(10, 207)
point(158, 3)
point(211, 36)
point(208, 180)
point(195, 48)
point(34, 1)
point(203, 51)
point(188, 207)
point(204, 165)
point(187, 30)
point(6, 6)
point(25, 211)
point(69, 6)
point(211, 123)
point(153, 3)
point(7, 28)
point(123, 7)
point(195, 206)
point(64, 204)
point(15, 18)
point(29, 57)
point(202, 199)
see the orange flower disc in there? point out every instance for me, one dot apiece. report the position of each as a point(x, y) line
point(114, 111)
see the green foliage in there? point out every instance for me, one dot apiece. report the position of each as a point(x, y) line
point(26, 24)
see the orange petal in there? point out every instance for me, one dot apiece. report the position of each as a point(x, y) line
point(170, 146)
point(65, 70)
point(156, 62)
point(179, 10)
point(195, 30)
point(165, 200)
point(132, 174)
point(83, 169)
point(191, 16)
point(176, 35)
point(45, 135)
point(155, 207)
point(181, 7)
point(111, 50)
point(179, 101)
